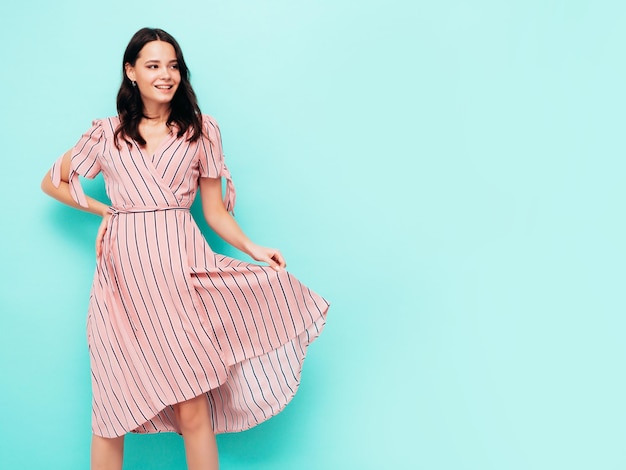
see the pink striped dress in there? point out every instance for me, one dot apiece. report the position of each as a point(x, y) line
point(168, 318)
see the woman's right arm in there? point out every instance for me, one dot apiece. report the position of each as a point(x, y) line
point(62, 192)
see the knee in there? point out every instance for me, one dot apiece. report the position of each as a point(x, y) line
point(192, 415)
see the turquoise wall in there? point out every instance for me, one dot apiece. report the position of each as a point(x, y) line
point(449, 174)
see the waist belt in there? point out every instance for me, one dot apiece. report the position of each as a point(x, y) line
point(136, 210)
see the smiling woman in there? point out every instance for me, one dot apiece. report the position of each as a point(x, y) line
point(155, 84)
point(156, 75)
point(181, 339)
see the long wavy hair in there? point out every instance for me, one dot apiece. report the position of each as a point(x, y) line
point(184, 112)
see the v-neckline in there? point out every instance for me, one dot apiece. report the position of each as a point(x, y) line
point(166, 140)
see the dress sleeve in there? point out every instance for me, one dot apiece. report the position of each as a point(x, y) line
point(84, 161)
point(212, 159)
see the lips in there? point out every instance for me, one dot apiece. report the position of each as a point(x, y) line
point(164, 87)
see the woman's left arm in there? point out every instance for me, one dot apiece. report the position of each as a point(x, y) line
point(228, 229)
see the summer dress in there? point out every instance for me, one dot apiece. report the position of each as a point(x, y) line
point(168, 318)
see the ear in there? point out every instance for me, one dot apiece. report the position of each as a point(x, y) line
point(130, 71)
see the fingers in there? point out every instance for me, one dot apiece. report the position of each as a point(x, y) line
point(100, 236)
point(276, 260)
point(99, 239)
point(271, 256)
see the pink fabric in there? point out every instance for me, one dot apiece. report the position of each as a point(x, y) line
point(168, 318)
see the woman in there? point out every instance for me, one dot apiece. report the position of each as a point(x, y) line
point(180, 338)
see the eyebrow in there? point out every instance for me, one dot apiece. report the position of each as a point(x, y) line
point(157, 60)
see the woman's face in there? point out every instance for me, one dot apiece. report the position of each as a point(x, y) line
point(156, 73)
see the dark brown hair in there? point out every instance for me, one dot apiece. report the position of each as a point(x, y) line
point(185, 112)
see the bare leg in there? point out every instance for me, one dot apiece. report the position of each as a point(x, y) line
point(194, 419)
point(106, 453)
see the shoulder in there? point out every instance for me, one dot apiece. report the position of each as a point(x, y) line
point(209, 122)
point(105, 125)
point(210, 128)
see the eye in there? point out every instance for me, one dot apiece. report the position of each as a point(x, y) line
point(153, 66)
point(175, 66)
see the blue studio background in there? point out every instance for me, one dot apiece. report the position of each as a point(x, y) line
point(448, 174)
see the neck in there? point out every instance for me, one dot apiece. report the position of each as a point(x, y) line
point(156, 113)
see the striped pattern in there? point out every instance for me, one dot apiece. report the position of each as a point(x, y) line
point(168, 318)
